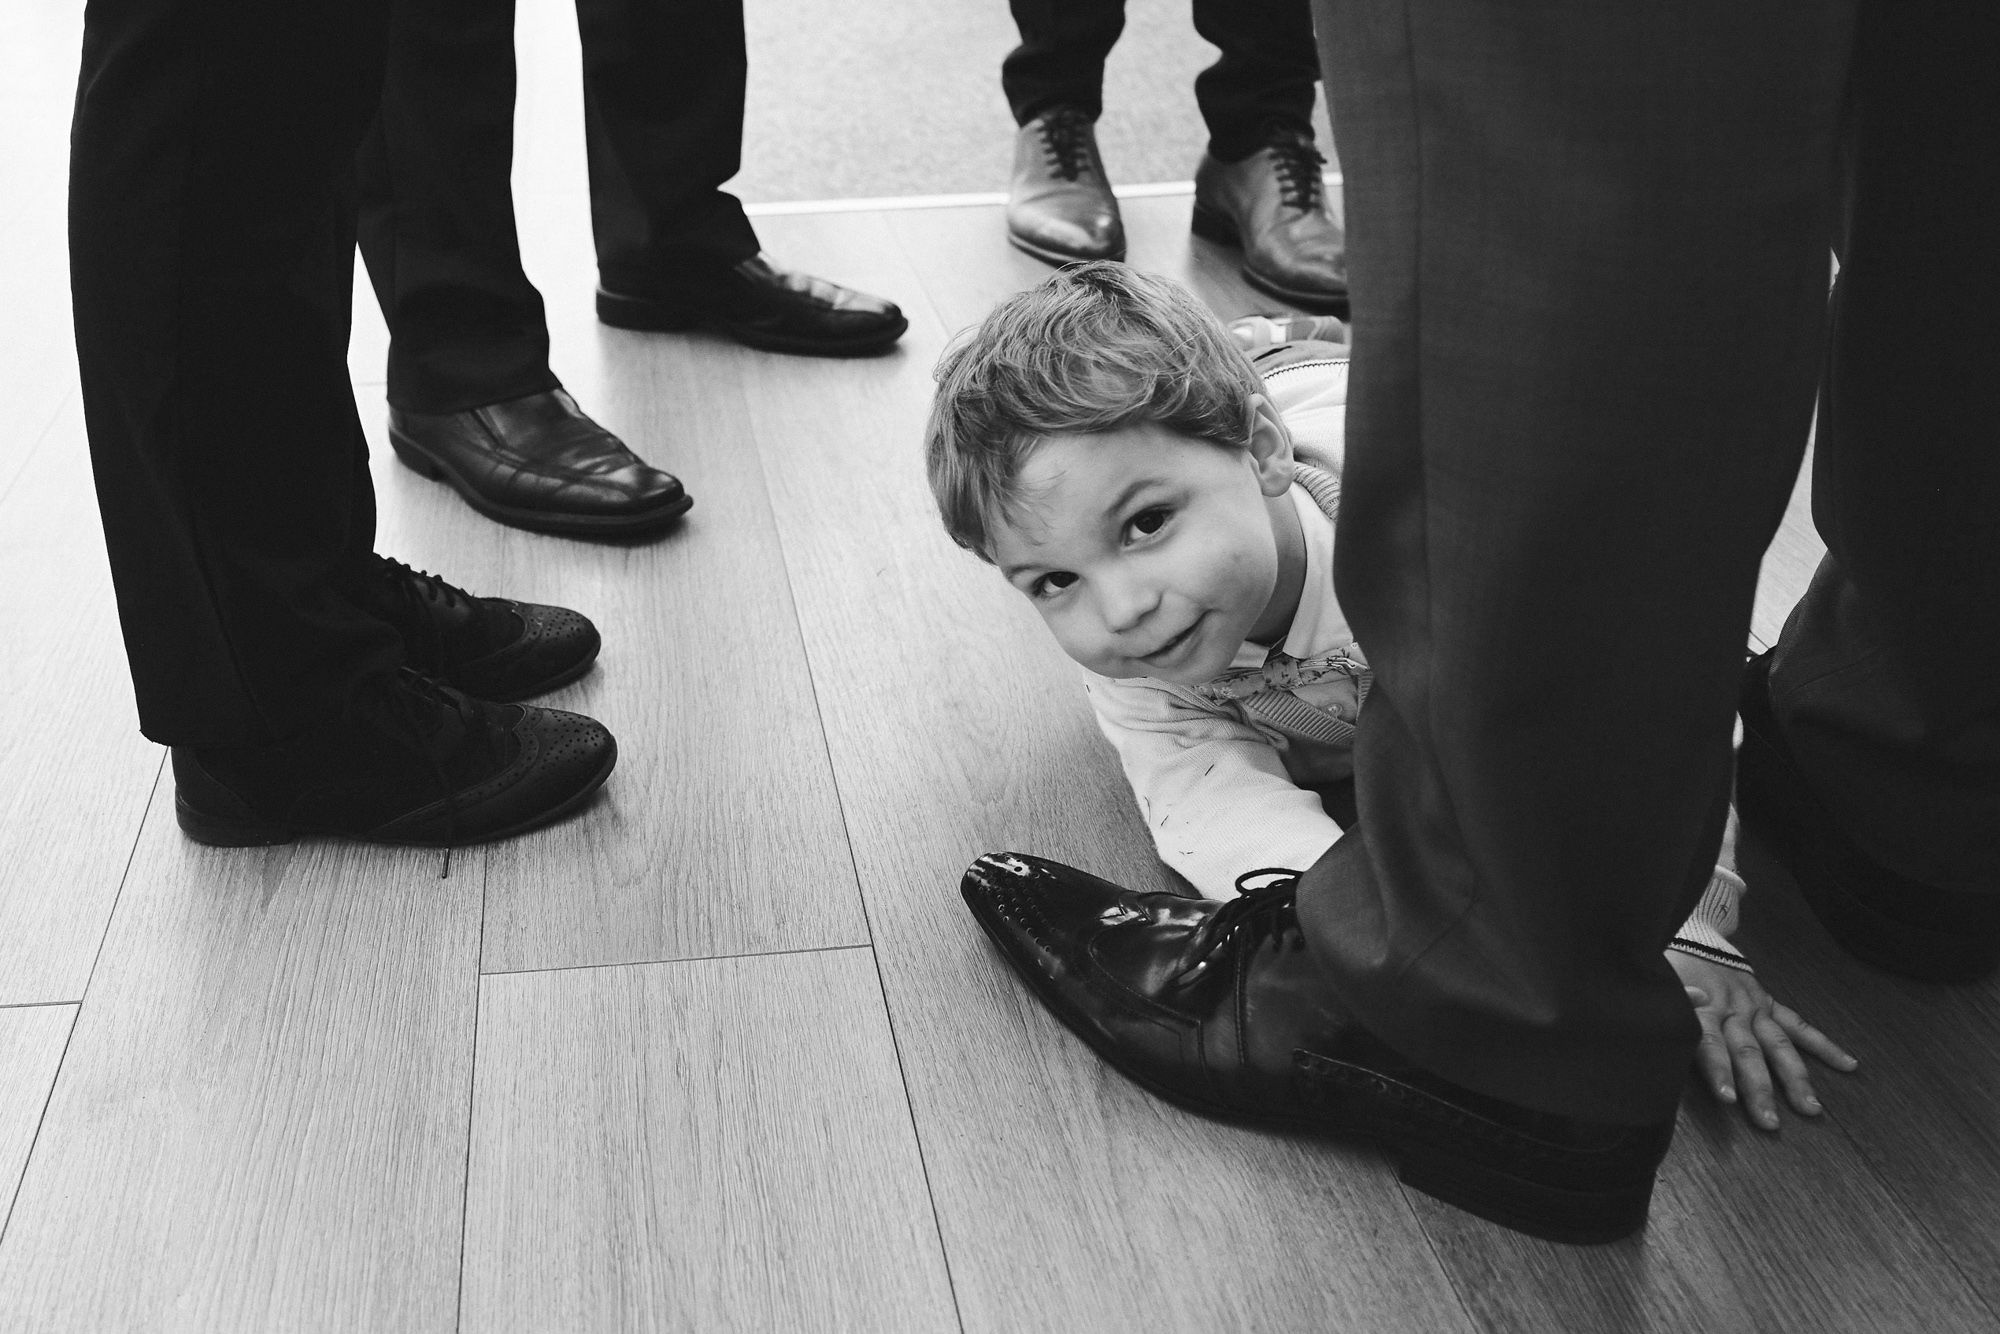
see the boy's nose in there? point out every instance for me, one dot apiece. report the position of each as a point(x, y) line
point(1127, 603)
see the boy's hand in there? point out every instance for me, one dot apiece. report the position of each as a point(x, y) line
point(1743, 1030)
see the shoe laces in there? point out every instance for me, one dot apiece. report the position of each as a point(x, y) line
point(1066, 139)
point(1298, 163)
point(421, 590)
point(1260, 910)
point(420, 704)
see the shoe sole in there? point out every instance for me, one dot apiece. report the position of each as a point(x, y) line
point(1536, 1208)
point(219, 832)
point(1212, 224)
point(1062, 259)
point(645, 315)
point(599, 526)
point(1774, 802)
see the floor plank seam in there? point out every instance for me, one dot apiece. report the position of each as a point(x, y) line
point(1914, 1216)
point(861, 894)
point(917, 1134)
point(28, 458)
point(131, 854)
point(14, 1195)
point(471, 1100)
point(125, 874)
point(691, 958)
point(1472, 1320)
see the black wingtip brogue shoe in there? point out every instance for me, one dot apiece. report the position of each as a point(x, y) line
point(1060, 208)
point(1220, 1008)
point(408, 761)
point(763, 306)
point(1273, 205)
point(1890, 921)
point(537, 462)
point(491, 648)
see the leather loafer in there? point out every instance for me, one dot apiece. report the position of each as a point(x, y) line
point(763, 306)
point(408, 761)
point(539, 463)
point(1219, 1008)
point(493, 649)
point(1897, 924)
point(1059, 205)
point(1273, 205)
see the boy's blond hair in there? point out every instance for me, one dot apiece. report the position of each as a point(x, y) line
point(1097, 347)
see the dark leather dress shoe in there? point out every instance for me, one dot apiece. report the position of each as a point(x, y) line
point(1901, 925)
point(760, 305)
point(491, 648)
point(1273, 205)
point(1219, 1008)
point(539, 463)
point(409, 761)
point(1059, 205)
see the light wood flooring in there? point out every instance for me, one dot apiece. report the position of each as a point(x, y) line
point(725, 1052)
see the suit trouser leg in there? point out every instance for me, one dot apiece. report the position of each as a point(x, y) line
point(212, 245)
point(437, 230)
point(663, 84)
point(1060, 60)
point(1264, 76)
point(1885, 680)
point(1589, 250)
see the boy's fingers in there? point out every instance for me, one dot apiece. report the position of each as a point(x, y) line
point(1752, 1074)
point(1815, 1042)
point(1711, 1058)
point(1790, 1066)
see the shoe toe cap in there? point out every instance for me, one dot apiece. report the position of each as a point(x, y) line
point(1079, 233)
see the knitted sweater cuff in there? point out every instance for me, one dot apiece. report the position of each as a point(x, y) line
point(1705, 933)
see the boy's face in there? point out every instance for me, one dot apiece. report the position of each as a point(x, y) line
point(1150, 553)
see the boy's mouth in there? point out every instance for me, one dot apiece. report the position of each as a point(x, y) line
point(1159, 656)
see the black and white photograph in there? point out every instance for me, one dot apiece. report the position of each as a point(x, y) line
point(1127, 666)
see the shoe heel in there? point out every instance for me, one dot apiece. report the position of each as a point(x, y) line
point(1585, 1218)
point(219, 831)
point(1213, 225)
point(643, 313)
point(413, 459)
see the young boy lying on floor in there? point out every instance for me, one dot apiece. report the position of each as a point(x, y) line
point(1168, 505)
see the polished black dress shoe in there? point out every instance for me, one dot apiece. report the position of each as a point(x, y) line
point(1218, 1007)
point(1897, 924)
point(491, 648)
point(539, 463)
point(1059, 204)
point(409, 761)
point(1273, 205)
point(760, 305)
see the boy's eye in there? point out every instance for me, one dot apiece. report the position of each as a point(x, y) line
point(1055, 581)
point(1149, 521)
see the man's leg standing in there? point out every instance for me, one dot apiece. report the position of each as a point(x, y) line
point(437, 226)
point(1589, 252)
point(1060, 61)
point(1264, 77)
point(211, 237)
point(1883, 686)
point(663, 85)
point(472, 399)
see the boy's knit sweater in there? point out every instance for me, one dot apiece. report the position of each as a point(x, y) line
point(1218, 768)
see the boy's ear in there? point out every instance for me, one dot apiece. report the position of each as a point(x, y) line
point(1270, 445)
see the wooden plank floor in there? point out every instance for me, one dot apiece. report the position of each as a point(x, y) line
point(725, 1051)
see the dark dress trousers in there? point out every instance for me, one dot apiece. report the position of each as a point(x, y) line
point(1589, 252)
point(211, 256)
point(1264, 76)
point(663, 84)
